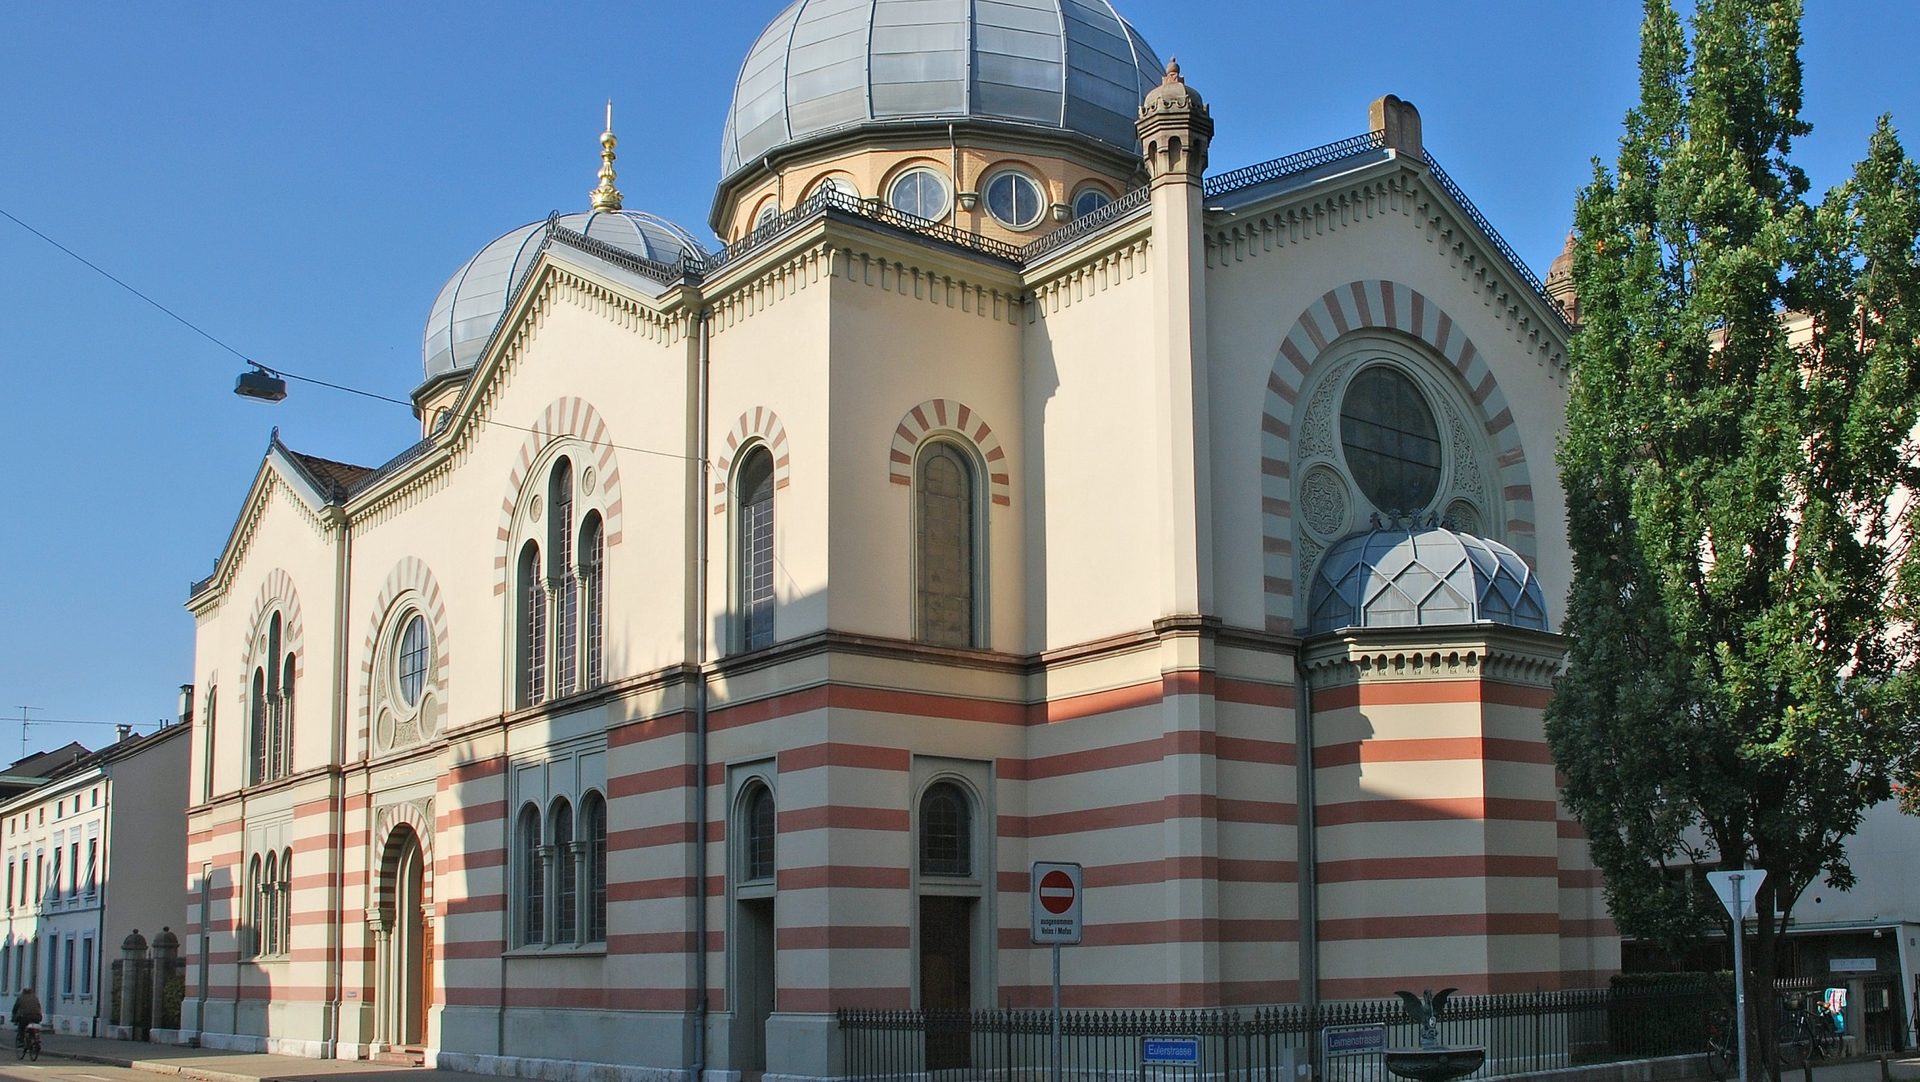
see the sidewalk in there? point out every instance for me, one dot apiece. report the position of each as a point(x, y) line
point(210, 1065)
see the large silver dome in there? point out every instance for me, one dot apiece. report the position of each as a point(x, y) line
point(1072, 65)
point(1422, 578)
point(471, 302)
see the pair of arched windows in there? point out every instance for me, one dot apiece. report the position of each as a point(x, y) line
point(270, 908)
point(948, 528)
point(271, 708)
point(562, 873)
point(560, 598)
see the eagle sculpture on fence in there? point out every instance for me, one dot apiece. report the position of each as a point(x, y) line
point(1424, 1010)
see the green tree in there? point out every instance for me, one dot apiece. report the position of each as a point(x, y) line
point(1741, 682)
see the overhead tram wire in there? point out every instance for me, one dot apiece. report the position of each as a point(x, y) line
point(282, 373)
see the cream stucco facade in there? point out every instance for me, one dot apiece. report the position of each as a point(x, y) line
point(665, 698)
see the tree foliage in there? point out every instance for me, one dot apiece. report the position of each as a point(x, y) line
point(1741, 683)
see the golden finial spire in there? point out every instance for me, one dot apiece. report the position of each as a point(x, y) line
point(606, 196)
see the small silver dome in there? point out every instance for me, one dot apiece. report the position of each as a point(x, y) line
point(471, 303)
point(1422, 578)
point(1072, 65)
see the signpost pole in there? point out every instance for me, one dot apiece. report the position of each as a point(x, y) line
point(1056, 1013)
point(1737, 889)
point(1740, 969)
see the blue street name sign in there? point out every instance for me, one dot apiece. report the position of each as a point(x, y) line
point(1170, 1051)
point(1354, 1040)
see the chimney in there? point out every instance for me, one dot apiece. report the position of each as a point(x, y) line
point(122, 732)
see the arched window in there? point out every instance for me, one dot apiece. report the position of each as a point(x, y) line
point(286, 715)
point(566, 584)
point(270, 907)
point(566, 892)
point(257, 727)
point(533, 916)
point(209, 756)
point(283, 890)
point(757, 853)
point(593, 830)
point(593, 553)
point(946, 831)
point(753, 518)
point(946, 570)
point(532, 624)
point(275, 703)
point(256, 911)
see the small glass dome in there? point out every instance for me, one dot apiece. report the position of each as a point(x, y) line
point(472, 301)
point(1424, 577)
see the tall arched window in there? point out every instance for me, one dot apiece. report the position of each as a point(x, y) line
point(256, 911)
point(566, 585)
point(209, 756)
point(257, 727)
point(283, 891)
point(270, 708)
point(286, 715)
point(754, 547)
point(533, 916)
point(944, 490)
point(531, 621)
point(593, 830)
point(593, 553)
point(270, 907)
point(566, 892)
point(275, 703)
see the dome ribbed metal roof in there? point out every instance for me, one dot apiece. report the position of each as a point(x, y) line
point(1424, 577)
point(1071, 65)
point(472, 301)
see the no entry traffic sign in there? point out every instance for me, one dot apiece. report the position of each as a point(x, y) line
point(1056, 903)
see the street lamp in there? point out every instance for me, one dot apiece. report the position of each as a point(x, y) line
point(262, 383)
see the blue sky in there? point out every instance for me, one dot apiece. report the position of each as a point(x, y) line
point(300, 181)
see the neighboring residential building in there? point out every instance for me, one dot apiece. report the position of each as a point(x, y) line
point(743, 626)
point(69, 902)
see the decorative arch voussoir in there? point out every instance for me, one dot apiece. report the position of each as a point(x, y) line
point(564, 418)
point(411, 574)
point(1373, 304)
point(758, 424)
point(277, 592)
point(946, 415)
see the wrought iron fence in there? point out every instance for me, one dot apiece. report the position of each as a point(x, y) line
point(1299, 162)
point(1522, 1034)
point(1087, 224)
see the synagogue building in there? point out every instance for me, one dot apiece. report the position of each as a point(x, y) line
point(1000, 482)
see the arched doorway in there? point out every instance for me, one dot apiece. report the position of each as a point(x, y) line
point(405, 946)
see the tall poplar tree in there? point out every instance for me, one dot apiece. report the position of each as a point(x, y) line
point(1741, 684)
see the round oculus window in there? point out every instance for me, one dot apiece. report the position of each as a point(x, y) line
point(919, 192)
point(410, 666)
point(1390, 439)
point(1088, 201)
point(1015, 199)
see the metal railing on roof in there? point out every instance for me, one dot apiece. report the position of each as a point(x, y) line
point(1499, 242)
point(873, 210)
point(689, 265)
point(1087, 224)
point(1299, 162)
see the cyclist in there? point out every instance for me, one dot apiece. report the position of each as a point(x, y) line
point(26, 1012)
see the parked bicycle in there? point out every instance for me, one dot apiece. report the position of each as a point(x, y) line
point(1723, 1048)
point(26, 1041)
